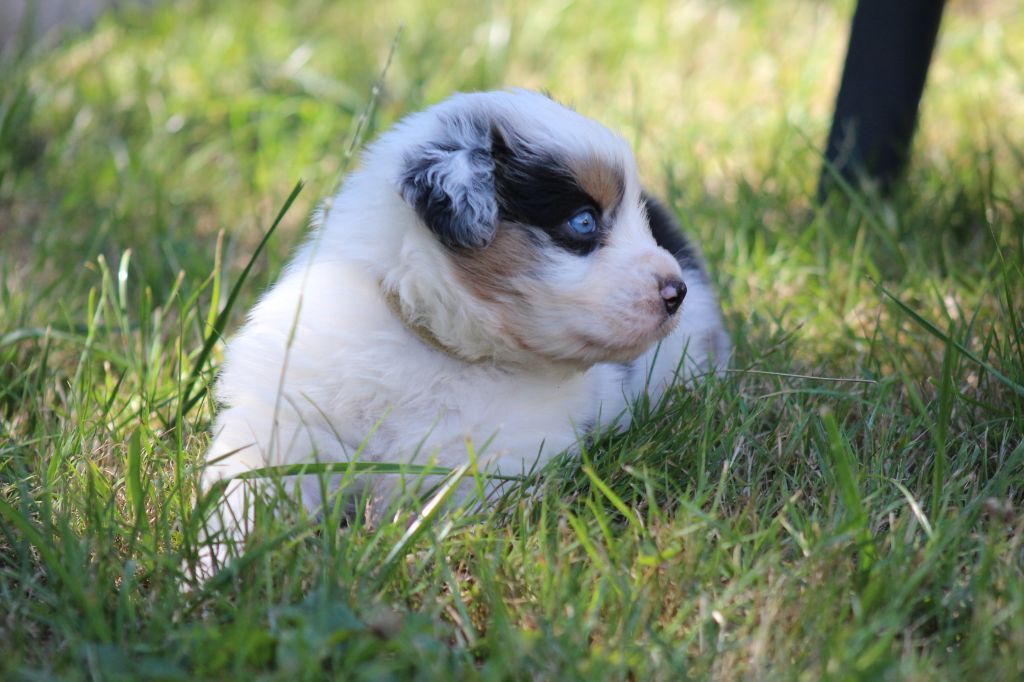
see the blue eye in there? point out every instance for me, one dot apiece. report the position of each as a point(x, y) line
point(583, 223)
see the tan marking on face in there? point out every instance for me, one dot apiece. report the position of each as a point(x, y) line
point(488, 272)
point(601, 180)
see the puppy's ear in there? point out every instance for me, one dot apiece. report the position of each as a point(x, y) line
point(451, 185)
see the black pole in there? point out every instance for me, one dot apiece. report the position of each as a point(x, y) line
point(891, 44)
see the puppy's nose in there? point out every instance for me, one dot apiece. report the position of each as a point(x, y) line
point(672, 291)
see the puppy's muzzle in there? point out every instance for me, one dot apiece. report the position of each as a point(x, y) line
point(672, 292)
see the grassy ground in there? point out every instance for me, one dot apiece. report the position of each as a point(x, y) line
point(763, 526)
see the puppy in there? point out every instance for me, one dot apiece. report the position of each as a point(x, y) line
point(494, 271)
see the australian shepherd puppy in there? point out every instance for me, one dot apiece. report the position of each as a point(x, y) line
point(494, 271)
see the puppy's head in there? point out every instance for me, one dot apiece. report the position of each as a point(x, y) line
point(540, 213)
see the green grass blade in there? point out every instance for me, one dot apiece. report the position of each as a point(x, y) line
point(937, 333)
point(315, 468)
point(135, 490)
point(610, 495)
point(845, 471)
point(424, 518)
point(216, 333)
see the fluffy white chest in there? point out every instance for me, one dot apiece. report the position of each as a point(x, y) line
point(351, 378)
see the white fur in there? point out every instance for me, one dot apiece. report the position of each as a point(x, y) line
point(324, 367)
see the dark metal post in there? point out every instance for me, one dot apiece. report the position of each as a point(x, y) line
point(891, 44)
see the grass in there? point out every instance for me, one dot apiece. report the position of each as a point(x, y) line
point(863, 524)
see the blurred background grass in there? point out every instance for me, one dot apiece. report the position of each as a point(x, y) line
point(158, 128)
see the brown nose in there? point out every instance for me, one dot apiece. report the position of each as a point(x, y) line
point(672, 291)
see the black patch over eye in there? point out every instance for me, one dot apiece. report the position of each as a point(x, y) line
point(534, 188)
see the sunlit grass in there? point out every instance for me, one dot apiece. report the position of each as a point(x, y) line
point(863, 523)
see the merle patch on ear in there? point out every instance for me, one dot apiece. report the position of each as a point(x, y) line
point(450, 183)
